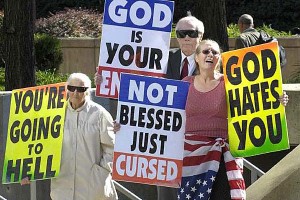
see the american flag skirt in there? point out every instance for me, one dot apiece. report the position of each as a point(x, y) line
point(201, 163)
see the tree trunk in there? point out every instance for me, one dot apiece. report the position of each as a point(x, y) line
point(18, 28)
point(213, 15)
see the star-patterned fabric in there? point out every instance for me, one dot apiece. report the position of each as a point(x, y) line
point(201, 164)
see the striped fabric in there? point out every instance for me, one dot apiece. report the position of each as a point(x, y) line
point(201, 164)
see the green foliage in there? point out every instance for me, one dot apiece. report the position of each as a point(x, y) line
point(233, 31)
point(2, 79)
point(48, 52)
point(1, 39)
point(42, 78)
point(44, 8)
point(49, 77)
point(71, 23)
point(279, 14)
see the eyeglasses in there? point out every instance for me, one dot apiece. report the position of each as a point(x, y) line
point(207, 51)
point(72, 88)
point(184, 33)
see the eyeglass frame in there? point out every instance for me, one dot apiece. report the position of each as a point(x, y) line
point(79, 89)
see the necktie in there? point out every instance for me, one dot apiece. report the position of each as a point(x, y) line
point(185, 68)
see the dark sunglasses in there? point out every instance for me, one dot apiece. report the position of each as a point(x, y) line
point(184, 33)
point(207, 51)
point(72, 88)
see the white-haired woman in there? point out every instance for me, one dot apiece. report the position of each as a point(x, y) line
point(87, 149)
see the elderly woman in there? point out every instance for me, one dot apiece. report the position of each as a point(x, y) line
point(87, 148)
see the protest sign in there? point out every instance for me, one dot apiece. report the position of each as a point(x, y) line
point(256, 118)
point(149, 146)
point(135, 39)
point(35, 132)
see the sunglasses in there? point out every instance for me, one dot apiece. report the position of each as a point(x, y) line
point(207, 51)
point(78, 89)
point(184, 33)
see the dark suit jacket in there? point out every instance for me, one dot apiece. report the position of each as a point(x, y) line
point(174, 64)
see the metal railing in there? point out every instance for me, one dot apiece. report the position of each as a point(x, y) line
point(254, 171)
point(2, 198)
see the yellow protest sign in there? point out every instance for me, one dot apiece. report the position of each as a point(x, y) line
point(35, 132)
point(256, 118)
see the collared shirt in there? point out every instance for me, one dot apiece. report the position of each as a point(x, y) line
point(191, 65)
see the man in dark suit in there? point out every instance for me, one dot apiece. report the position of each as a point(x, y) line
point(189, 32)
point(249, 35)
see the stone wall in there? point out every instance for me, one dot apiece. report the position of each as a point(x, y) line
point(82, 55)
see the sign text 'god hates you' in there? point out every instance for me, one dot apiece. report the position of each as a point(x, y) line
point(149, 146)
point(256, 118)
point(135, 39)
point(34, 133)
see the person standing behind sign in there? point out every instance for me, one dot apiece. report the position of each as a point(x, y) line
point(181, 63)
point(248, 34)
point(87, 148)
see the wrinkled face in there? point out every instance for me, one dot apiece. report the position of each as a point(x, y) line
point(76, 91)
point(188, 41)
point(209, 57)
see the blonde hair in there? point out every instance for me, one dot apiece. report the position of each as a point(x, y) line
point(199, 50)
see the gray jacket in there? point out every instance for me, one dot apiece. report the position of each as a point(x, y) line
point(247, 38)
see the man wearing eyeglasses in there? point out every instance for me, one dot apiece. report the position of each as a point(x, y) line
point(181, 63)
point(189, 32)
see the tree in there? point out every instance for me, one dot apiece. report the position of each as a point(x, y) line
point(18, 30)
point(211, 13)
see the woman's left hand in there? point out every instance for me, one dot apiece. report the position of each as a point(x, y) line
point(284, 99)
point(117, 126)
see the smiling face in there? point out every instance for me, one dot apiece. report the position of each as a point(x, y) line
point(208, 55)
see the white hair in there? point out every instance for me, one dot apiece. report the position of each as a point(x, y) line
point(84, 78)
point(193, 20)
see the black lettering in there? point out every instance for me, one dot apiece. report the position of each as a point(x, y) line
point(49, 172)
point(155, 58)
point(163, 139)
point(167, 120)
point(138, 62)
point(129, 49)
point(52, 98)
point(124, 111)
point(55, 126)
point(18, 97)
point(251, 76)
point(141, 121)
point(29, 94)
point(143, 142)
point(274, 85)
point(267, 54)
point(153, 139)
point(15, 132)
point(133, 146)
point(25, 132)
point(247, 101)
point(26, 167)
point(265, 95)
point(111, 52)
point(13, 170)
point(150, 113)
point(38, 100)
point(234, 80)
point(275, 134)
point(159, 123)
point(177, 122)
point(254, 91)
point(37, 173)
point(258, 142)
point(241, 133)
point(234, 102)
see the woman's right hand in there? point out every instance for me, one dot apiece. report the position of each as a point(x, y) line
point(97, 78)
point(117, 126)
point(25, 181)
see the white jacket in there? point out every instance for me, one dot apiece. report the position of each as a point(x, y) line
point(87, 153)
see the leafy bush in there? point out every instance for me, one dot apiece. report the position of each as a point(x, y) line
point(45, 7)
point(48, 52)
point(48, 77)
point(1, 39)
point(71, 23)
point(233, 31)
point(42, 78)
